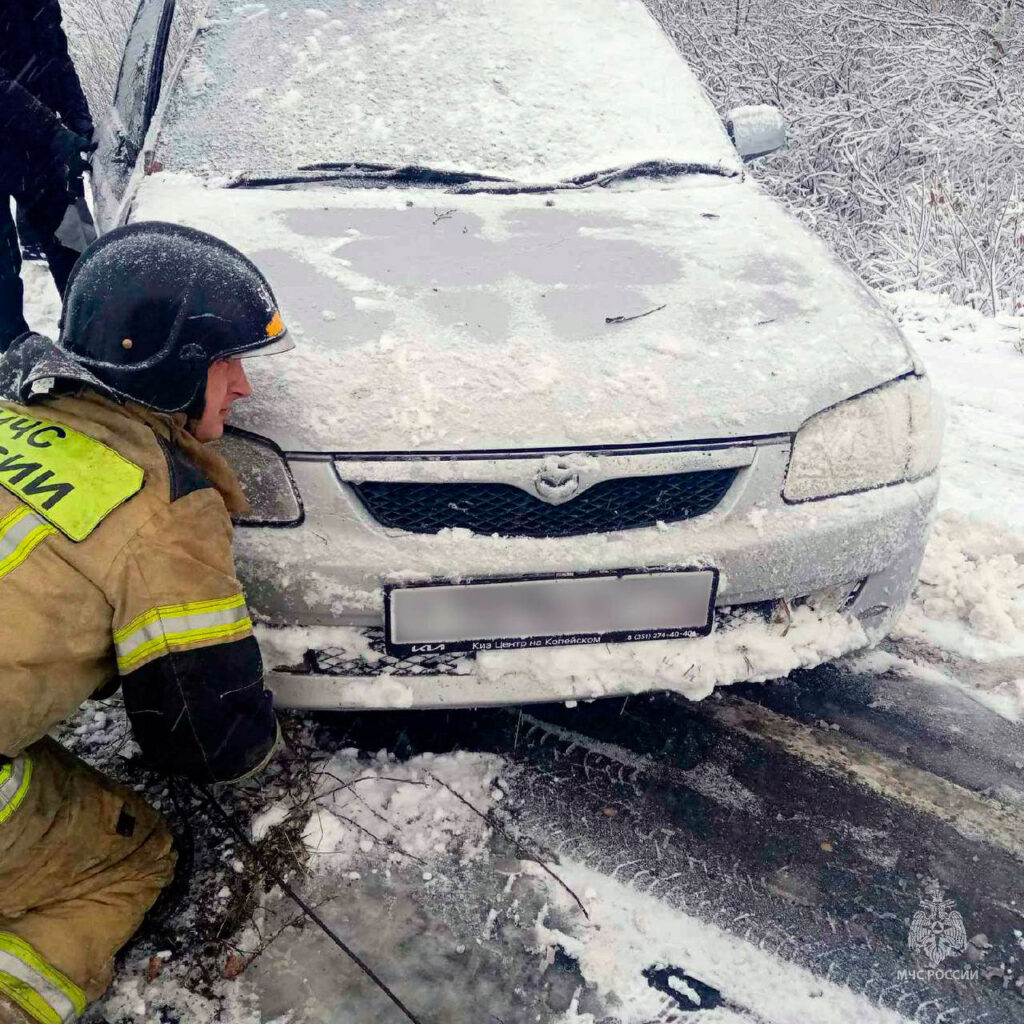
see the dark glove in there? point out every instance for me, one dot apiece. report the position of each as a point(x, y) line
point(66, 149)
point(82, 126)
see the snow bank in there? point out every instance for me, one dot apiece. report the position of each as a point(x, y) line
point(970, 599)
point(977, 365)
point(973, 576)
point(749, 651)
point(429, 808)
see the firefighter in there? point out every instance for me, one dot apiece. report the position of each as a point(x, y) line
point(46, 128)
point(116, 566)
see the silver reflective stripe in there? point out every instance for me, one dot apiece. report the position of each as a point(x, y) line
point(14, 776)
point(22, 526)
point(57, 1000)
point(179, 625)
point(15, 530)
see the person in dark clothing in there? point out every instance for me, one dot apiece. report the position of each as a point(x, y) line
point(31, 249)
point(46, 126)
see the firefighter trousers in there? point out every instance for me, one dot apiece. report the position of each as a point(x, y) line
point(81, 861)
point(42, 207)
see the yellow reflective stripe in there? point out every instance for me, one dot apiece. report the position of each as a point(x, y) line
point(16, 513)
point(162, 630)
point(22, 994)
point(168, 642)
point(20, 531)
point(15, 777)
point(175, 611)
point(37, 987)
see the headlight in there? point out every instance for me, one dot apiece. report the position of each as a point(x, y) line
point(265, 478)
point(885, 436)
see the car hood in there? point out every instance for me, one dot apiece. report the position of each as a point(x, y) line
point(427, 321)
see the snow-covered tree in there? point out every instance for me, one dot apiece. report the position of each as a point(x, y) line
point(906, 132)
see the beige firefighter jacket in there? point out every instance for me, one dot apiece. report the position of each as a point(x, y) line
point(116, 564)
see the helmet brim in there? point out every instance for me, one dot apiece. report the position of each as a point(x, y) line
point(285, 343)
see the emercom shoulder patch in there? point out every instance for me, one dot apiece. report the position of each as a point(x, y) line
point(71, 480)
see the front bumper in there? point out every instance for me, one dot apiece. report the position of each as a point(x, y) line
point(747, 647)
point(316, 588)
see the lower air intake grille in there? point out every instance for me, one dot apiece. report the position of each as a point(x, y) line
point(625, 504)
point(336, 661)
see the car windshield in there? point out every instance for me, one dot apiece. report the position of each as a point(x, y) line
point(467, 86)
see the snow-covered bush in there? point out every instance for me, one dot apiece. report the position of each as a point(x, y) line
point(96, 31)
point(906, 132)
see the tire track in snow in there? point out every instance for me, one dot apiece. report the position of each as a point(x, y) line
point(816, 866)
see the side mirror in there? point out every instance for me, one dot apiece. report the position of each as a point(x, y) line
point(756, 130)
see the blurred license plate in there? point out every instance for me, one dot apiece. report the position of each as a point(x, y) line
point(499, 614)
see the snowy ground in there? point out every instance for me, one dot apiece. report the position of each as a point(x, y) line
point(437, 862)
point(968, 610)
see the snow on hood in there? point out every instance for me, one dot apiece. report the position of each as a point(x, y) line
point(432, 321)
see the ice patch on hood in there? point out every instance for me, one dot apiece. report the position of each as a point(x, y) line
point(534, 314)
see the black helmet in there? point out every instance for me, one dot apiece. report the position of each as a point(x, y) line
point(150, 306)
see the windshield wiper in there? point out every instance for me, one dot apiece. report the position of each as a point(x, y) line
point(468, 182)
point(646, 169)
point(403, 174)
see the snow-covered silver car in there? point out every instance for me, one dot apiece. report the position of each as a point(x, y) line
point(576, 409)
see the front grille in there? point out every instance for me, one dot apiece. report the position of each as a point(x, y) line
point(338, 661)
point(624, 504)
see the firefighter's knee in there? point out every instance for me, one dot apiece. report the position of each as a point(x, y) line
point(81, 861)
